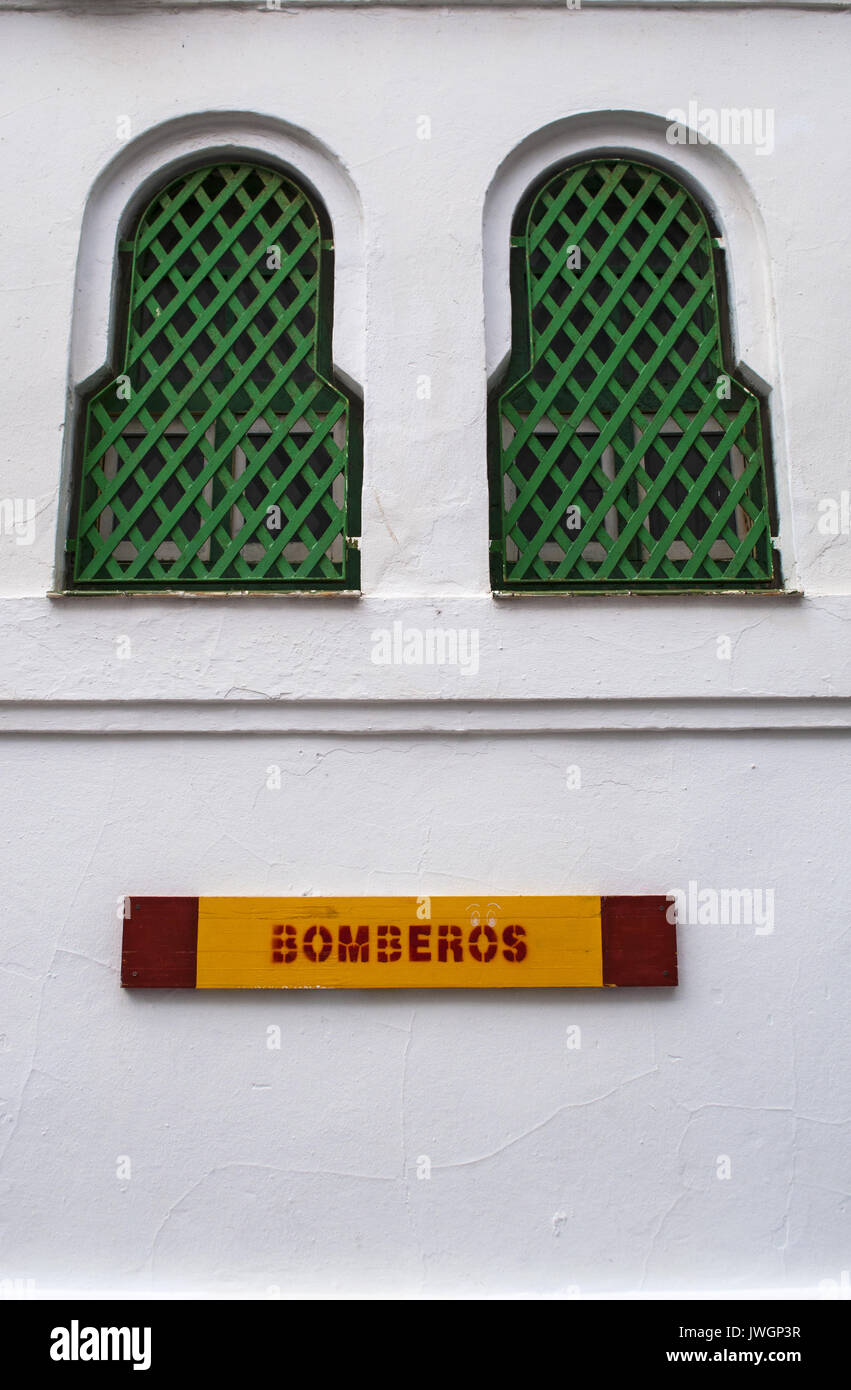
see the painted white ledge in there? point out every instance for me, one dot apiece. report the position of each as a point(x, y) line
point(124, 6)
point(419, 718)
point(199, 665)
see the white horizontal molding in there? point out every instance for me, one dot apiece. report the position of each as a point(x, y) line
point(125, 6)
point(421, 717)
point(285, 651)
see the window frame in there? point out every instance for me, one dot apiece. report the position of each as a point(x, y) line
point(117, 364)
point(520, 361)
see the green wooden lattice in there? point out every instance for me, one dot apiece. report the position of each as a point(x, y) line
point(223, 455)
point(624, 453)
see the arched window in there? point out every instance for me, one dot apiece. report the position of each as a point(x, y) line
point(222, 453)
point(624, 453)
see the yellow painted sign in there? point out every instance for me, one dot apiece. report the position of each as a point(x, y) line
point(489, 941)
point(393, 943)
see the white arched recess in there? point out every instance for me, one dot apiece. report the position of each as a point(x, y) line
point(148, 162)
point(718, 183)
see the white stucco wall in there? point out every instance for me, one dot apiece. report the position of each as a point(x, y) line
point(553, 1168)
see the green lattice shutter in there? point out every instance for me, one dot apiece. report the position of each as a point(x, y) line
point(223, 455)
point(624, 454)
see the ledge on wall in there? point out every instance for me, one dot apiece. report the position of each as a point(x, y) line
point(204, 593)
point(119, 6)
point(358, 593)
point(425, 718)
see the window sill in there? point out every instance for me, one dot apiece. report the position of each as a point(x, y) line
point(649, 593)
point(204, 593)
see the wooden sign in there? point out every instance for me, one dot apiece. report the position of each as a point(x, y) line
point(489, 942)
